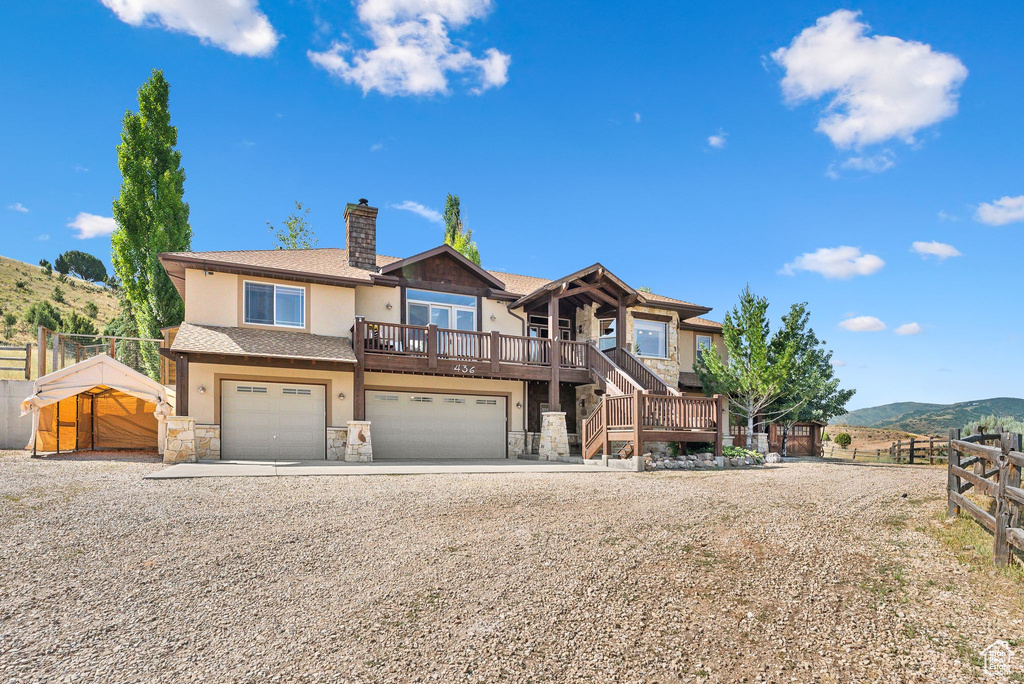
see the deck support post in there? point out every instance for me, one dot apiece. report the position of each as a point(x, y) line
point(358, 373)
point(495, 351)
point(432, 339)
point(554, 401)
point(181, 385)
point(720, 424)
point(638, 425)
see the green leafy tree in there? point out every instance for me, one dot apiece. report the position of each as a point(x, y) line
point(44, 314)
point(80, 326)
point(91, 310)
point(760, 364)
point(843, 439)
point(10, 320)
point(151, 214)
point(83, 265)
point(47, 268)
point(455, 233)
point(61, 265)
point(58, 295)
point(812, 392)
point(296, 233)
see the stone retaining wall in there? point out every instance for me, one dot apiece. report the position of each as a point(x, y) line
point(181, 439)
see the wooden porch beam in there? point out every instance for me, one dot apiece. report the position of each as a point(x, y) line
point(554, 401)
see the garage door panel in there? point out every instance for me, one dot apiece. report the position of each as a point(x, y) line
point(272, 421)
point(419, 425)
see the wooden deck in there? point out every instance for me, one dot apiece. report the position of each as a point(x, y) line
point(642, 417)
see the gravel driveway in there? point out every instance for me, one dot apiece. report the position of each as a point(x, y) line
point(808, 571)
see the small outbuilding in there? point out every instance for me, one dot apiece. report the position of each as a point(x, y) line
point(99, 403)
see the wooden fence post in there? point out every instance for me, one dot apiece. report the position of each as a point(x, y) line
point(952, 479)
point(1000, 545)
point(28, 360)
point(912, 451)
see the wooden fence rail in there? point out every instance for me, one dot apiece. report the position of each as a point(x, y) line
point(17, 359)
point(993, 471)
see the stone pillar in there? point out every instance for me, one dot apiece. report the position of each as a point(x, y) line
point(761, 442)
point(358, 448)
point(181, 440)
point(554, 438)
point(516, 444)
point(208, 442)
point(336, 440)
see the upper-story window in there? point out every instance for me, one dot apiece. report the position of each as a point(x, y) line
point(606, 332)
point(651, 338)
point(443, 309)
point(269, 304)
point(703, 342)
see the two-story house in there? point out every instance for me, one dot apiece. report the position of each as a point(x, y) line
point(346, 353)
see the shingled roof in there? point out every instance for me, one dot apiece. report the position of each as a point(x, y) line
point(214, 339)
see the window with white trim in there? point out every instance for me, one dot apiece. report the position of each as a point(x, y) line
point(443, 309)
point(606, 331)
point(270, 304)
point(650, 338)
point(703, 342)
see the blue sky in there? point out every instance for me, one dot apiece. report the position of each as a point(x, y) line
point(672, 142)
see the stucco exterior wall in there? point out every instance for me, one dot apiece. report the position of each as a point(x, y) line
point(203, 407)
point(332, 310)
point(371, 303)
point(443, 384)
point(688, 347)
point(211, 299)
point(504, 322)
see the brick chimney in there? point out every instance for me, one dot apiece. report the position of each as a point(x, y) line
point(361, 235)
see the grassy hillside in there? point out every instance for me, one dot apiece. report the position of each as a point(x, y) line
point(932, 419)
point(38, 287)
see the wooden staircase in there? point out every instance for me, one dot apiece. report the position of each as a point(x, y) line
point(640, 416)
point(638, 371)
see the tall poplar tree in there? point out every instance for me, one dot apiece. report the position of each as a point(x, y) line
point(150, 213)
point(455, 233)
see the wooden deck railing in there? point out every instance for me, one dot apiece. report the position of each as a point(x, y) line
point(468, 345)
point(995, 473)
point(639, 371)
point(662, 417)
point(619, 382)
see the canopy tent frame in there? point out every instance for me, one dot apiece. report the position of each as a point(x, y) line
point(96, 377)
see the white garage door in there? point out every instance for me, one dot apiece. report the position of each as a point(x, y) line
point(438, 426)
point(272, 421)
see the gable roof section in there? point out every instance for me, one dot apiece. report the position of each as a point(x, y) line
point(487, 277)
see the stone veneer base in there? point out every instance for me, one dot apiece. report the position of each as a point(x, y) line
point(181, 440)
point(208, 442)
point(554, 439)
point(358, 446)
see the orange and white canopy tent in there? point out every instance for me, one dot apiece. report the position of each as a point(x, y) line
point(99, 403)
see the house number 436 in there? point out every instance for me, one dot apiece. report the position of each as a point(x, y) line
point(463, 368)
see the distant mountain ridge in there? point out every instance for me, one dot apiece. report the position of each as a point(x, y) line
point(931, 419)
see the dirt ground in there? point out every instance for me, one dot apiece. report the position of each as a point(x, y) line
point(808, 571)
point(869, 439)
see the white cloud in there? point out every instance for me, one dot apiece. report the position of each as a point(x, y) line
point(936, 249)
point(91, 225)
point(835, 262)
point(417, 208)
point(81, 169)
point(237, 26)
point(876, 163)
point(946, 216)
point(909, 329)
point(862, 324)
point(377, 147)
point(836, 363)
point(43, 237)
point(881, 87)
point(1002, 211)
point(18, 207)
point(413, 53)
point(636, 117)
point(717, 140)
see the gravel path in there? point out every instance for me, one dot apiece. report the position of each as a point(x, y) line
point(804, 572)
